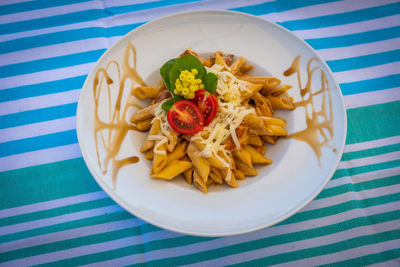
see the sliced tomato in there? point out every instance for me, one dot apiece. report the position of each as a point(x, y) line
point(207, 103)
point(185, 117)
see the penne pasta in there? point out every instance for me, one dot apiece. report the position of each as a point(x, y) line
point(226, 148)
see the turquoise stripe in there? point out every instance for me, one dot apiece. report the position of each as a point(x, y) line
point(228, 249)
point(327, 249)
point(39, 89)
point(277, 6)
point(38, 143)
point(48, 213)
point(92, 56)
point(64, 37)
point(33, 5)
point(78, 242)
point(373, 122)
point(38, 115)
point(370, 85)
point(81, 16)
point(63, 175)
point(50, 63)
point(93, 32)
point(354, 39)
point(369, 259)
point(343, 18)
point(371, 152)
point(364, 169)
point(364, 61)
point(94, 220)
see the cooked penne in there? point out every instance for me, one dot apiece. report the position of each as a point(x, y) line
point(173, 169)
point(143, 92)
point(220, 150)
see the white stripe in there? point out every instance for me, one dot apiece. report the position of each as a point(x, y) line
point(39, 157)
point(372, 98)
point(372, 144)
point(364, 177)
point(324, 10)
point(348, 254)
point(350, 28)
point(20, 227)
point(37, 129)
point(184, 250)
point(62, 10)
point(360, 49)
point(52, 204)
point(367, 73)
point(369, 160)
point(38, 102)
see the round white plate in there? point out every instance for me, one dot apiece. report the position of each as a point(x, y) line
point(279, 191)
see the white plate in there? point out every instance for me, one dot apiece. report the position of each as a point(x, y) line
point(279, 191)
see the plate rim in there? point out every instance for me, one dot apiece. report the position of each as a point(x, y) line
point(124, 204)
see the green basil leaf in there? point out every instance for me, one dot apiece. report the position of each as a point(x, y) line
point(210, 82)
point(168, 104)
point(164, 71)
point(187, 62)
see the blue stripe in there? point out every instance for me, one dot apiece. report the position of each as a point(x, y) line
point(343, 18)
point(42, 88)
point(38, 115)
point(265, 8)
point(370, 85)
point(33, 5)
point(38, 143)
point(63, 37)
point(81, 16)
point(50, 63)
point(364, 61)
point(354, 39)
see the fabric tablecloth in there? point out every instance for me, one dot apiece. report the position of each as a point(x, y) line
point(53, 212)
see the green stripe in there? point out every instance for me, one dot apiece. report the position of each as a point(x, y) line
point(373, 122)
point(179, 242)
point(100, 219)
point(367, 168)
point(371, 152)
point(137, 230)
point(357, 187)
point(369, 259)
point(27, 217)
point(64, 176)
point(327, 249)
point(188, 240)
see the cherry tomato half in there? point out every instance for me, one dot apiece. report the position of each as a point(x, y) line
point(185, 117)
point(207, 103)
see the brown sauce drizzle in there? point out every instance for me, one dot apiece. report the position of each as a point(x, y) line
point(118, 125)
point(318, 122)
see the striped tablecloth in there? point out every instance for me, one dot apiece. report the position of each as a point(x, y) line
point(51, 209)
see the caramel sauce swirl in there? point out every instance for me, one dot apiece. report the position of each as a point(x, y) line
point(319, 130)
point(111, 134)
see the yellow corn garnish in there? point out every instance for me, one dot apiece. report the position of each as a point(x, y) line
point(187, 84)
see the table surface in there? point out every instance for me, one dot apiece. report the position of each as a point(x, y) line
point(52, 210)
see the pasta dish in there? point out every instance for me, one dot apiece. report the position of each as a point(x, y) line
point(209, 120)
